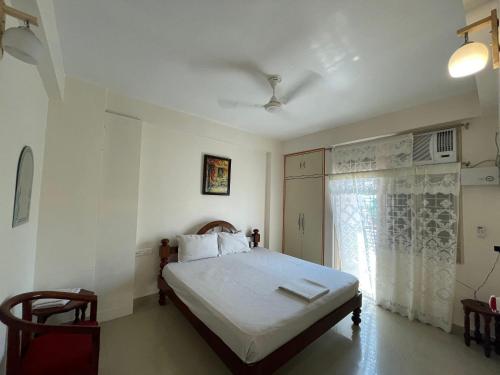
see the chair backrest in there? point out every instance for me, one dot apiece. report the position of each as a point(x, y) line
point(20, 332)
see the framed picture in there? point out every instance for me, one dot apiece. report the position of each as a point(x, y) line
point(24, 183)
point(216, 175)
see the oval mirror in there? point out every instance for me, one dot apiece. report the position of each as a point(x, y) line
point(24, 183)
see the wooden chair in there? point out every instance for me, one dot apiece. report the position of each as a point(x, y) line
point(47, 349)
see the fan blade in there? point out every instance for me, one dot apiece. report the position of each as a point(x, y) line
point(226, 103)
point(251, 69)
point(247, 68)
point(310, 80)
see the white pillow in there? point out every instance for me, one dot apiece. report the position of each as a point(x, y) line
point(230, 243)
point(197, 246)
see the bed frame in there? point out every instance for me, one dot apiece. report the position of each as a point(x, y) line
point(280, 356)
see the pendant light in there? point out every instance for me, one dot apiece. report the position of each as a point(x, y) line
point(20, 41)
point(472, 57)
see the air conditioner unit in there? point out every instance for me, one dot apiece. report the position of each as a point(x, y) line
point(435, 147)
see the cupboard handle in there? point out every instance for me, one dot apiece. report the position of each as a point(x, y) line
point(303, 221)
point(298, 223)
point(304, 164)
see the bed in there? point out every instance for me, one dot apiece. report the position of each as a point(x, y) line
point(234, 303)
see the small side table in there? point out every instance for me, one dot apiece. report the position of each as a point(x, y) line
point(481, 309)
point(80, 307)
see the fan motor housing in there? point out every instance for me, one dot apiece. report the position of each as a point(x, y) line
point(273, 105)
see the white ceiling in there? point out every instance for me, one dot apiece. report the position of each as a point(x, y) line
point(374, 57)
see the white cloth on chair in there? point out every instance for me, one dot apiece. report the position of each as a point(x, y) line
point(45, 303)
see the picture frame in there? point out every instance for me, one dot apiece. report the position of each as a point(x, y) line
point(216, 175)
point(24, 184)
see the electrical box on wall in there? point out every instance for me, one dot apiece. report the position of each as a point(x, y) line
point(479, 176)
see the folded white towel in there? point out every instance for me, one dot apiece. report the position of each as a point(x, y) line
point(306, 289)
point(45, 303)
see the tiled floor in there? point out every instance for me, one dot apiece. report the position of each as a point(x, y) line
point(159, 340)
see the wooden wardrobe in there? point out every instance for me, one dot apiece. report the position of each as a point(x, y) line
point(304, 205)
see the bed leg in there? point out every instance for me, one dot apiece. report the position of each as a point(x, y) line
point(162, 300)
point(356, 316)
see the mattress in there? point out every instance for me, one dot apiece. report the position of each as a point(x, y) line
point(237, 297)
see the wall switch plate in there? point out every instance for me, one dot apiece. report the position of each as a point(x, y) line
point(479, 176)
point(496, 248)
point(143, 252)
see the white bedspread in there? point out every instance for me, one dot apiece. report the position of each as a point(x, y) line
point(237, 297)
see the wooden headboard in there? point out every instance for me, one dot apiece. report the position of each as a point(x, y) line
point(168, 254)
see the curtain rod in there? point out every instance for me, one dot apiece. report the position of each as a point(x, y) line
point(425, 129)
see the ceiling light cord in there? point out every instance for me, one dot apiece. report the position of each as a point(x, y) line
point(468, 164)
point(476, 290)
point(497, 162)
point(497, 156)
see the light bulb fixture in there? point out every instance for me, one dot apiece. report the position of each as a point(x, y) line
point(472, 57)
point(19, 42)
point(469, 59)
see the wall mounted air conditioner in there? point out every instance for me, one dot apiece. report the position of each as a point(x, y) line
point(435, 147)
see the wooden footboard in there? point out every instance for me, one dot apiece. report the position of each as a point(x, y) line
point(280, 356)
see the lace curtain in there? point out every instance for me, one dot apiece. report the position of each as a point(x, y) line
point(384, 153)
point(396, 231)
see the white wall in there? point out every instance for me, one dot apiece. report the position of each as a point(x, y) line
point(69, 201)
point(447, 110)
point(117, 225)
point(23, 120)
point(170, 187)
point(481, 205)
point(170, 200)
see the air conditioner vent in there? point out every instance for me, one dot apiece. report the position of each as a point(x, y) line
point(445, 141)
point(435, 147)
point(421, 147)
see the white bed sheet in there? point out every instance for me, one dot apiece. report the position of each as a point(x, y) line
point(237, 297)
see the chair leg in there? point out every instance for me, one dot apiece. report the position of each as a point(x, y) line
point(356, 316)
point(467, 327)
point(162, 300)
point(477, 328)
point(487, 338)
point(13, 365)
point(96, 341)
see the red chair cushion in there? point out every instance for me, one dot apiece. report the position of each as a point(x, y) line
point(59, 354)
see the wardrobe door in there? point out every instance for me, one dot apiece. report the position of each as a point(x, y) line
point(312, 220)
point(293, 165)
point(304, 164)
point(292, 237)
point(313, 163)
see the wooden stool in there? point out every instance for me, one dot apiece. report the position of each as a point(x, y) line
point(481, 309)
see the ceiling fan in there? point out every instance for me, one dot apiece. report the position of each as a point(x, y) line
point(275, 104)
